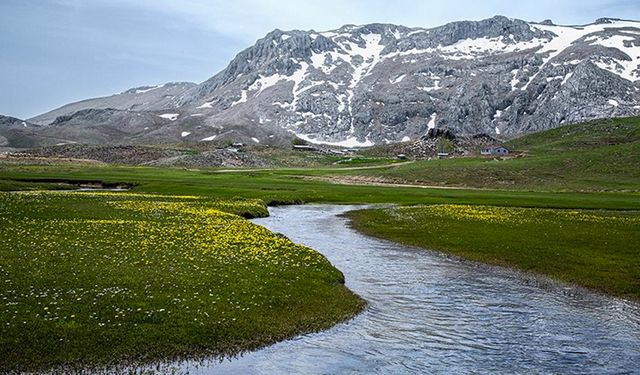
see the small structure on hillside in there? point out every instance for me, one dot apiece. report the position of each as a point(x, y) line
point(401, 157)
point(443, 155)
point(494, 150)
point(305, 148)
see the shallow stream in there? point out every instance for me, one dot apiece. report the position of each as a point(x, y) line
point(430, 313)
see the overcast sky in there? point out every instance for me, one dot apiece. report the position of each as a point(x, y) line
point(56, 51)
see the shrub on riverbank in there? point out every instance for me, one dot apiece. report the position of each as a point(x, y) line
point(94, 279)
point(596, 249)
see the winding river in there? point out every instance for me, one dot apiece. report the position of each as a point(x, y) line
point(430, 313)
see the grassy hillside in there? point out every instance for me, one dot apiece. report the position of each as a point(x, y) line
point(602, 155)
point(581, 137)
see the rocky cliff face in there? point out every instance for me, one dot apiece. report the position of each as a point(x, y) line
point(379, 83)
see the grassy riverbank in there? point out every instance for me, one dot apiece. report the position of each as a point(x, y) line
point(598, 156)
point(93, 279)
point(595, 249)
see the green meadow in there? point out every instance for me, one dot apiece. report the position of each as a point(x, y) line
point(93, 280)
point(90, 279)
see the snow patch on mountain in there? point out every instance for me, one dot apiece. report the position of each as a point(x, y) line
point(264, 83)
point(432, 121)
point(397, 79)
point(243, 98)
point(349, 142)
point(170, 116)
point(140, 91)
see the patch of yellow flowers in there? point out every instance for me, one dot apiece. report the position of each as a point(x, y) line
point(178, 242)
point(510, 215)
point(208, 230)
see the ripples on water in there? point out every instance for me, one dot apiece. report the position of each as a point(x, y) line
point(430, 313)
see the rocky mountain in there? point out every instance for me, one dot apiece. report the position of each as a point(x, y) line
point(380, 83)
point(16, 133)
point(137, 99)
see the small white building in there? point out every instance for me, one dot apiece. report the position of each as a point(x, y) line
point(494, 150)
